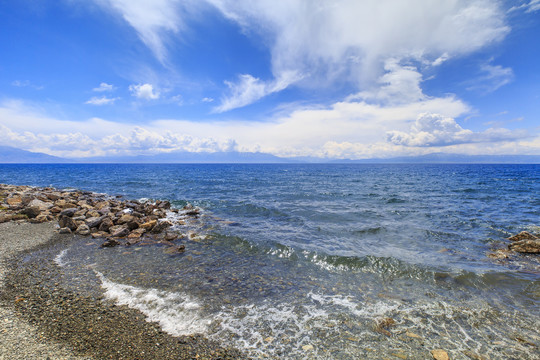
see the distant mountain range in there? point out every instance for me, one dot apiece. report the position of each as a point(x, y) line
point(11, 155)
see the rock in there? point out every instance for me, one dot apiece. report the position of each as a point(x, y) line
point(121, 232)
point(474, 355)
point(55, 209)
point(526, 246)
point(31, 211)
point(102, 204)
point(135, 234)
point(175, 249)
point(14, 201)
point(307, 347)
point(41, 205)
point(5, 218)
point(93, 213)
point(64, 230)
point(66, 221)
point(41, 218)
point(83, 230)
point(68, 212)
point(439, 354)
point(132, 225)
point(170, 236)
point(110, 243)
point(499, 254)
point(160, 226)
point(524, 235)
point(53, 196)
point(149, 225)
point(106, 224)
point(99, 234)
point(124, 219)
point(94, 221)
point(413, 335)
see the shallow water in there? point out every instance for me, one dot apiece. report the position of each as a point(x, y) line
point(310, 261)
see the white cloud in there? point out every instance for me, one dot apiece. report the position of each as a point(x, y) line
point(437, 130)
point(103, 100)
point(531, 6)
point(153, 20)
point(26, 83)
point(104, 87)
point(207, 100)
point(144, 91)
point(350, 37)
point(249, 89)
point(493, 77)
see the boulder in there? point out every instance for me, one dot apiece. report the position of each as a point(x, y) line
point(124, 219)
point(132, 225)
point(41, 218)
point(100, 234)
point(149, 225)
point(106, 224)
point(137, 233)
point(122, 232)
point(41, 205)
point(175, 249)
point(160, 227)
point(31, 211)
point(65, 230)
point(439, 354)
point(524, 235)
point(14, 201)
point(526, 246)
point(83, 230)
point(94, 221)
point(170, 236)
point(66, 221)
point(68, 212)
point(110, 243)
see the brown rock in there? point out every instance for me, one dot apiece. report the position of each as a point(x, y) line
point(31, 211)
point(149, 225)
point(65, 230)
point(132, 225)
point(99, 234)
point(439, 354)
point(524, 235)
point(102, 204)
point(14, 201)
point(526, 246)
point(171, 236)
point(41, 218)
point(93, 213)
point(160, 227)
point(137, 233)
point(124, 219)
point(53, 196)
point(121, 232)
point(83, 230)
point(175, 249)
point(41, 205)
point(55, 209)
point(69, 212)
point(106, 224)
point(110, 243)
point(5, 218)
point(66, 221)
point(94, 221)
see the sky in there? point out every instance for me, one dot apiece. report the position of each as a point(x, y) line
point(340, 79)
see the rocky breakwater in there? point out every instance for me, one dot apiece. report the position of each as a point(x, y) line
point(113, 219)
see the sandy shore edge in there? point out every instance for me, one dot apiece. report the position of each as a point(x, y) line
point(18, 338)
point(40, 319)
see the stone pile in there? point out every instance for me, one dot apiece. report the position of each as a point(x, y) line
point(117, 221)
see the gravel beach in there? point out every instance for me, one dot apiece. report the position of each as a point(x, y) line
point(18, 338)
point(43, 318)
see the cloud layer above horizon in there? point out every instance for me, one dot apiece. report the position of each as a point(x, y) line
point(329, 79)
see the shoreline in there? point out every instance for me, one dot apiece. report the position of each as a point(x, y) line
point(59, 322)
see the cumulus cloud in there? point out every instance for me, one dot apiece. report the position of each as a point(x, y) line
point(103, 87)
point(103, 100)
point(144, 91)
point(437, 130)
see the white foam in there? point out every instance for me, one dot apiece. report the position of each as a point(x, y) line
point(59, 258)
point(177, 314)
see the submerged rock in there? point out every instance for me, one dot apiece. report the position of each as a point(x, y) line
point(524, 235)
point(439, 354)
point(526, 246)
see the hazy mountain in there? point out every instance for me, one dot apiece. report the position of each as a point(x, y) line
point(11, 155)
point(17, 156)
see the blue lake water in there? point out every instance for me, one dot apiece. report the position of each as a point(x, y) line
point(303, 261)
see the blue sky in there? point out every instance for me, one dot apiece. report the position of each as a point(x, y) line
point(331, 79)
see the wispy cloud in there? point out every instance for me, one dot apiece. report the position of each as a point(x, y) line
point(249, 89)
point(103, 100)
point(104, 87)
point(492, 78)
point(26, 83)
point(144, 91)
